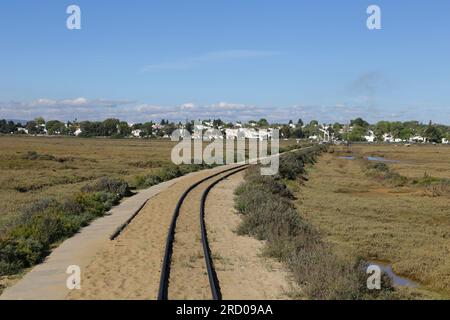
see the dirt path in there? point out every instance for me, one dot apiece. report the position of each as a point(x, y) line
point(243, 273)
point(129, 268)
point(188, 274)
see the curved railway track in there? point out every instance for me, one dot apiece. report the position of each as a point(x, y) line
point(163, 293)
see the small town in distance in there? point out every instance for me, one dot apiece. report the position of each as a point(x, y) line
point(356, 130)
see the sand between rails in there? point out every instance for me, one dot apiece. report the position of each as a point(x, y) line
point(129, 268)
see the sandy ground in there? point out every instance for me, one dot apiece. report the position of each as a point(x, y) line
point(243, 273)
point(129, 268)
point(188, 274)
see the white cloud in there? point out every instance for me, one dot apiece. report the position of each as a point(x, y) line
point(100, 109)
point(210, 57)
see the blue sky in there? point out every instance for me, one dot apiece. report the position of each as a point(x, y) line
point(239, 60)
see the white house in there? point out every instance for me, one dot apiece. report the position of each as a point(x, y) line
point(231, 134)
point(212, 134)
point(417, 138)
point(387, 137)
point(370, 136)
point(24, 130)
point(136, 133)
point(249, 134)
point(445, 141)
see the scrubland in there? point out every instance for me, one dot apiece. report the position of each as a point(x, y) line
point(395, 212)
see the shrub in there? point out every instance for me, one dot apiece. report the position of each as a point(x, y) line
point(106, 184)
point(165, 174)
point(170, 172)
point(29, 238)
point(268, 214)
point(33, 155)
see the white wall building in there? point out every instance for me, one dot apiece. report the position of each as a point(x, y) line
point(387, 137)
point(417, 138)
point(370, 136)
point(136, 133)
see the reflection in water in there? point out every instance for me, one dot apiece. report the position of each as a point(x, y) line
point(380, 159)
point(396, 279)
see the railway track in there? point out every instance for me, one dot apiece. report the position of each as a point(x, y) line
point(193, 202)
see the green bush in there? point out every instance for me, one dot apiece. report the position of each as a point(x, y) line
point(165, 174)
point(106, 184)
point(29, 238)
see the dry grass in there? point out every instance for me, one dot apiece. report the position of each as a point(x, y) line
point(33, 168)
point(64, 165)
point(407, 226)
point(53, 170)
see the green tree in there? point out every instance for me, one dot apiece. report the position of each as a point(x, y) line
point(124, 129)
point(263, 123)
point(110, 127)
point(39, 121)
point(359, 122)
point(55, 127)
point(147, 130)
point(433, 134)
point(33, 128)
point(298, 133)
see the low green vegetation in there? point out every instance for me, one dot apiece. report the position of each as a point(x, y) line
point(269, 214)
point(30, 236)
point(383, 173)
point(167, 173)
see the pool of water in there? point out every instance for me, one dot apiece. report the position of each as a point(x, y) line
point(381, 159)
point(396, 279)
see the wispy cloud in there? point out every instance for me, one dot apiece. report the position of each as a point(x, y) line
point(210, 57)
point(100, 109)
point(368, 86)
point(64, 109)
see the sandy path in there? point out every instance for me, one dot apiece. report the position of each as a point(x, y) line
point(188, 274)
point(243, 273)
point(129, 268)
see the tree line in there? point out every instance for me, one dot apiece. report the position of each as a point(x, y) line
point(355, 131)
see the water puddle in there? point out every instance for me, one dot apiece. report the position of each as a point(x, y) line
point(347, 157)
point(396, 279)
point(381, 159)
point(378, 159)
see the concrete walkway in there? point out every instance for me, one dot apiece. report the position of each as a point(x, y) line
point(47, 281)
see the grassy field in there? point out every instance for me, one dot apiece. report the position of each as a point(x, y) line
point(51, 187)
point(36, 167)
point(33, 168)
point(397, 212)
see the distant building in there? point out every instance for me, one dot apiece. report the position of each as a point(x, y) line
point(370, 137)
point(387, 137)
point(136, 133)
point(22, 130)
point(417, 139)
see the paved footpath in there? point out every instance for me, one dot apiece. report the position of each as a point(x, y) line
point(47, 281)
